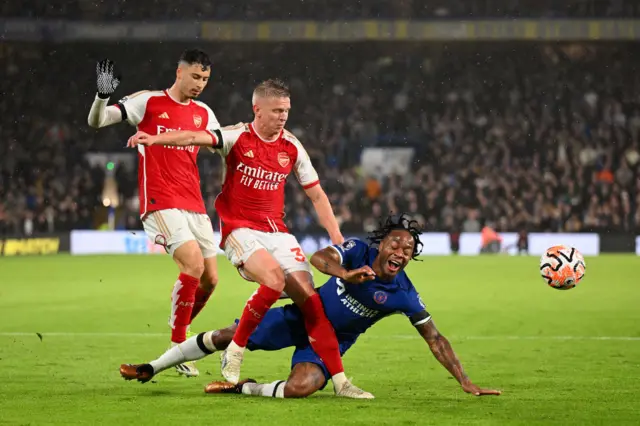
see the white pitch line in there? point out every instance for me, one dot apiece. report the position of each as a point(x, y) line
point(80, 334)
point(619, 338)
point(391, 337)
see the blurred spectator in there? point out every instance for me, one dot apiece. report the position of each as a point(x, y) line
point(491, 242)
point(471, 224)
point(522, 244)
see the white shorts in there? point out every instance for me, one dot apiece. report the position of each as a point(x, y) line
point(172, 228)
point(284, 248)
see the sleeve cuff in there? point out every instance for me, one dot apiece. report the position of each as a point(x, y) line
point(216, 138)
point(214, 141)
point(310, 185)
point(123, 111)
point(422, 321)
point(339, 254)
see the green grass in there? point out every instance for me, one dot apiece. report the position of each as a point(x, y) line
point(511, 331)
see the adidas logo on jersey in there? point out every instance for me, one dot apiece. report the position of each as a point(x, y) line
point(249, 154)
point(164, 115)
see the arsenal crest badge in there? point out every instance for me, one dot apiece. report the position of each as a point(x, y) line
point(283, 159)
point(197, 120)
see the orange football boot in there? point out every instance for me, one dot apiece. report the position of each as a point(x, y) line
point(140, 372)
point(226, 387)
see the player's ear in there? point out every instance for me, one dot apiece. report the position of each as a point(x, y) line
point(256, 109)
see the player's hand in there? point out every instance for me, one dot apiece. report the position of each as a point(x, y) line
point(140, 138)
point(106, 79)
point(360, 275)
point(469, 387)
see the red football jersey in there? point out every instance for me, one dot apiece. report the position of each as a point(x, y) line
point(254, 178)
point(168, 176)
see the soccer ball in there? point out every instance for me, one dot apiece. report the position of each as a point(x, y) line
point(562, 267)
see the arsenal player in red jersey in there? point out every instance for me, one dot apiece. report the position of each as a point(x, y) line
point(171, 205)
point(258, 158)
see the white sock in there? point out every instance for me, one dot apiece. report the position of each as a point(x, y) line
point(192, 349)
point(339, 380)
point(234, 347)
point(271, 390)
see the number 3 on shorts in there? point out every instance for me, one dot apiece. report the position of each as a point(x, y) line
point(300, 257)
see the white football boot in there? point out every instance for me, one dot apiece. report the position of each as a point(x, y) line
point(230, 363)
point(349, 390)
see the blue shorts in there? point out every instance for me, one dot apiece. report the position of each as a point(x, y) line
point(284, 328)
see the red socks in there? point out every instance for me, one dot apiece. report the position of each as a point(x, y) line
point(182, 299)
point(322, 336)
point(255, 309)
point(201, 298)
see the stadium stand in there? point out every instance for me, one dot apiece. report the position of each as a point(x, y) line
point(523, 136)
point(318, 10)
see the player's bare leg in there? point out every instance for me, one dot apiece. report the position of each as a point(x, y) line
point(299, 286)
point(189, 259)
point(192, 349)
point(304, 380)
point(262, 268)
point(208, 283)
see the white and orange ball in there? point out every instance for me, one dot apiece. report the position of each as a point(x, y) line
point(562, 267)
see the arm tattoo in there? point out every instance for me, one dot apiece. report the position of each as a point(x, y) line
point(328, 262)
point(443, 352)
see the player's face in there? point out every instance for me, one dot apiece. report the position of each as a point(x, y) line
point(272, 113)
point(193, 79)
point(395, 252)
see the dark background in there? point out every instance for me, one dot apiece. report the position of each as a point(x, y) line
point(535, 136)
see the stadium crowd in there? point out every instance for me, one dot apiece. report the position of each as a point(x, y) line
point(536, 137)
point(316, 9)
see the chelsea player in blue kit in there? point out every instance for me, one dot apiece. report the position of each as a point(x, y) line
point(368, 283)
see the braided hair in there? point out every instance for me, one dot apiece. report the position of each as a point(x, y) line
point(392, 223)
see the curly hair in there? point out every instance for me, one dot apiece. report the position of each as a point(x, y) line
point(402, 222)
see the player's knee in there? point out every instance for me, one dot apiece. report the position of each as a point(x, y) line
point(193, 269)
point(274, 279)
point(189, 259)
point(300, 387)
point(209, 280)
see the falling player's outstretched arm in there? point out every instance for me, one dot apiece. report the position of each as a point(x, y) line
point(102, 115)
point(328, 261)
point(442, 350)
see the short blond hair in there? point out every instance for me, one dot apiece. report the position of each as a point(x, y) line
point(272, 88)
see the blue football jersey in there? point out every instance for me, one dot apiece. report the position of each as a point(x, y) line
point(353, 308)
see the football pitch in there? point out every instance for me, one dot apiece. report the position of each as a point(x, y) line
point(560, 357)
